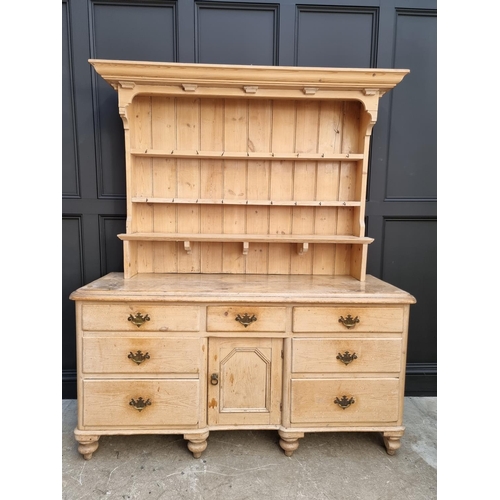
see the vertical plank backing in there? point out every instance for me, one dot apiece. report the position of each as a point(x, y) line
point(304, 182)
point(164, 182)
point(327, 185)
point(211, 185)
point(235, 139)
point(280, 218)
point(188, 123)
point(258, 178)
point(188, 180)
point(142, 181)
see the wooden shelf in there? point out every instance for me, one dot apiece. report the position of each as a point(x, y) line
point(302, 240)
point(251, 238)
point(280, 203)
point(242, 155)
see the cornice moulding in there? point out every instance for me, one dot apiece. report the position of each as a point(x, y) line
point(264, 77)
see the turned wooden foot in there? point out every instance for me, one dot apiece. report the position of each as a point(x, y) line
point(197, 443)
point(88, 444)
point(289, 441)
point(392, 441)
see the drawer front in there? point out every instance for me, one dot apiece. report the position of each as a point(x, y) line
point(141, 355)
point(348, 319)
point(314, 355)
point(110, 403)
point(140, 318)
point(246, 318)
point(373, 401)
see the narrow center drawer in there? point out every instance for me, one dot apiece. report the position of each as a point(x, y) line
point(140, 317)
point(141, 355)
point(348, 319)
point(246, 318)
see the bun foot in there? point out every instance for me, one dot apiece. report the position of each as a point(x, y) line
point(289, 441)
point(88, 444)
point(392, 441)
point(197, 443)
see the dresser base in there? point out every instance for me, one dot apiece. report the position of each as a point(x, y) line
point(187, 355)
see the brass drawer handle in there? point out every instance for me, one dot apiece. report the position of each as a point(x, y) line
point(344, 402)
point(214, 379)
point(349, 322)
point(138, 357)
point(140, 404)
point(246, 319)
point(138, 320)
point(346, 358)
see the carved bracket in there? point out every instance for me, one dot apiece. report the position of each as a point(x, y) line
point(302, 248)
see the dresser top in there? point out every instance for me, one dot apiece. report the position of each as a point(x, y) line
point(241, 288)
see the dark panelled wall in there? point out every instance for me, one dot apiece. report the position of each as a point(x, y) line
point(401, 204)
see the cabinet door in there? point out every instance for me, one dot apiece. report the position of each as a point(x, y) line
point(244, 381)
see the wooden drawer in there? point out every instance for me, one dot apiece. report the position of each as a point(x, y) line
point(315, 355)
point(128, 317)
point(375, 401)
point(257, 319)
point(172, 402)
point(141, 355)
point(357, 318)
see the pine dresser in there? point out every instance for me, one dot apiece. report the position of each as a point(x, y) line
point(244, 302)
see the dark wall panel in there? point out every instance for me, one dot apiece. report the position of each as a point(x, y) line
point(129, 31)
point(111, 245)
point(136, 31)
point(409, 262)
point(72, 266)
point(413, 147)
point(69, 155)
point(236, 33)
point(336, 37)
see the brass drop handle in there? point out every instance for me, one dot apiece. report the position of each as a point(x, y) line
point(138, 320)
point(344, 402)
point(349, 322)
point(214, 379)
point(139, 357)
point(246, 319)
point(140, 404)
point(346, 358)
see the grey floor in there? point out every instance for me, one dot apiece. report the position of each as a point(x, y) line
point(250, 464)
